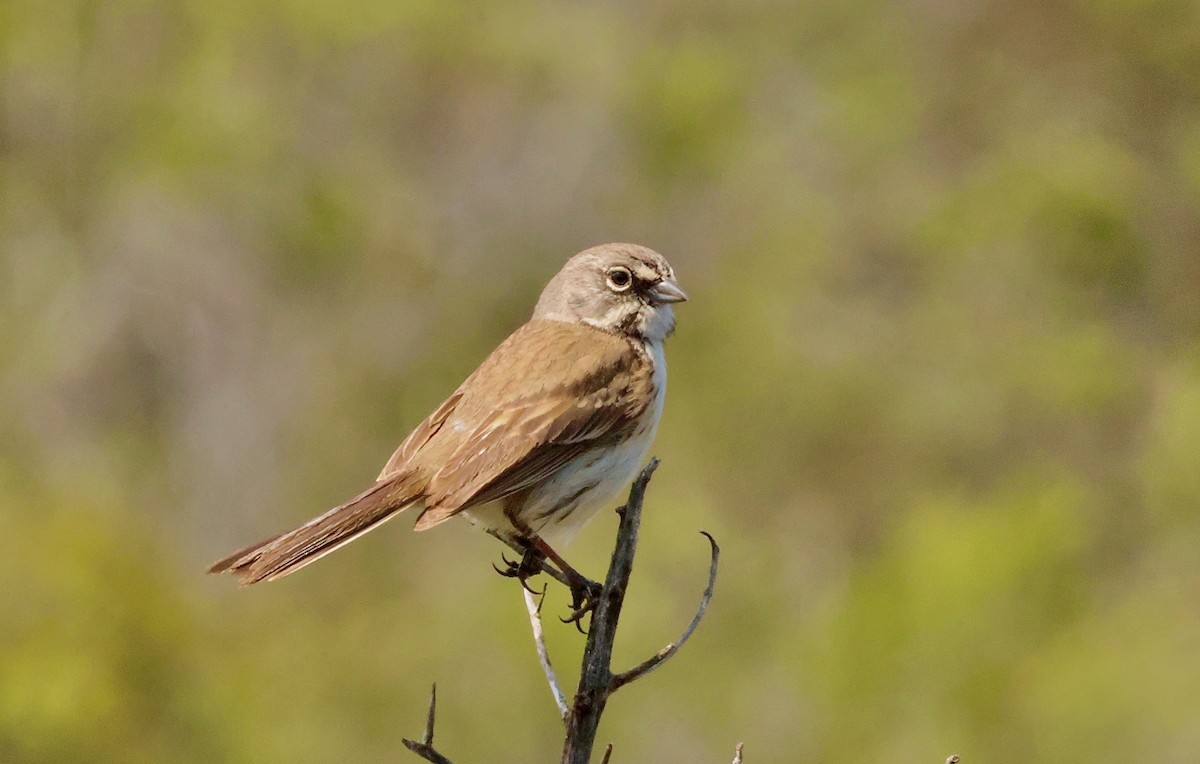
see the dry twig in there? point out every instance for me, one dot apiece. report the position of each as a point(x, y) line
point(656, 660)
point(539, 639)
point(425, 748)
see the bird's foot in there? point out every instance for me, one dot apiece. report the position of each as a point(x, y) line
point(529, 566)
point(585, 594)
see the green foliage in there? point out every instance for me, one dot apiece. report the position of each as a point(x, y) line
point(937, 392)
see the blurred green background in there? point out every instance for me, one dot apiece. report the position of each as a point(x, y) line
point(937, 392)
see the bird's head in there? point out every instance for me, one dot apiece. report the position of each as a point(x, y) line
point(621, 288)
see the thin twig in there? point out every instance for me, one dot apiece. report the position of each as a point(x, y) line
point(656, 660)
point(539, 638)
point(737, 753)
point(425, 748)
point(607, 754)
point(432, 716)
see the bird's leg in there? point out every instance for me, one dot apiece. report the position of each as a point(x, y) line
point(529, 566)
point(585, 592)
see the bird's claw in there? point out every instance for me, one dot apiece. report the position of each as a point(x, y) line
point(584, 596)
point(508, 571)
point(529, 566)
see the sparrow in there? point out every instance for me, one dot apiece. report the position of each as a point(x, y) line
point(548, 430)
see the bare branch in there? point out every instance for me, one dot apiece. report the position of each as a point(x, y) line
point(607, 754)
point(539, 638)
point(425, 748)
point(737, 753)
point(653, 662)
point(596, 680)
point(595, 675)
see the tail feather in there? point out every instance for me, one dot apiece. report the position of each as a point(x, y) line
point(288, 552)
point(226, 563)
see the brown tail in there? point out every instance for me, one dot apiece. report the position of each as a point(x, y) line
point(288, 552)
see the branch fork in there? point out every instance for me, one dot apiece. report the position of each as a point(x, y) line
point(597, 682)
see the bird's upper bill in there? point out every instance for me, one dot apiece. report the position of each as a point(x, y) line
point(667, 291)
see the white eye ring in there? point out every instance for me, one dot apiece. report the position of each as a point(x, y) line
point(619, 279)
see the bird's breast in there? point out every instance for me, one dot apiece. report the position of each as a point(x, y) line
point(561, 505)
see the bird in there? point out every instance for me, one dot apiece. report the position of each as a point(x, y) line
point(542, 435)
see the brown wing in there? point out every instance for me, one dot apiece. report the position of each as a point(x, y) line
point(417, 439)
point(550, 392)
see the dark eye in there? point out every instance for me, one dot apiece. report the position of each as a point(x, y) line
point(619, 278)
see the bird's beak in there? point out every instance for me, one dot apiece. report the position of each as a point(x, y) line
point(667, 291)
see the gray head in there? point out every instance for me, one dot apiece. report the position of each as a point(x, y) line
point(620, 288)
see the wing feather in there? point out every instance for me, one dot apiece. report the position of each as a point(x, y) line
point(423, 433)
point(600, 392)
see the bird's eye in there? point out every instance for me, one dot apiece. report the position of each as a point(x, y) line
point(619, 278)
